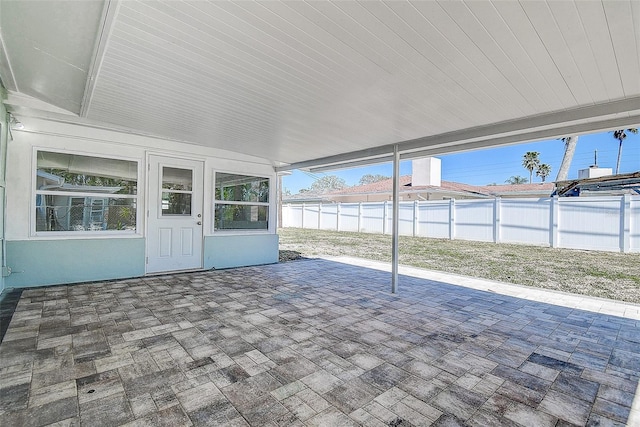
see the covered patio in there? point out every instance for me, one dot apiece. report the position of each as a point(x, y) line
point(146, 137)
point(316, 343)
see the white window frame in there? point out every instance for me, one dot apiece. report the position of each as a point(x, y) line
point(269, 205)
point(86, 234)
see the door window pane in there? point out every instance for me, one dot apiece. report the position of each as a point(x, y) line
point(177, 185)
point(176, 203)
point(177, 179)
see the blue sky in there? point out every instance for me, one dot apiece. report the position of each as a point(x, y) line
point(496, 165)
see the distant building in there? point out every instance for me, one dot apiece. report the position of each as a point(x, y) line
point(424, 184)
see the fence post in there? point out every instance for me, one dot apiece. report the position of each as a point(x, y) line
point(496, 219)
point(359, 216)
point(302, 219)
point(416, 206)
point(338, 210)
point(452, 225)
point(625, 223)
point(554, 222)
point(385, 218)
point(319, 216)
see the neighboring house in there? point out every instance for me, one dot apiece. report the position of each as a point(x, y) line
point(424, 186)
point(595, 184)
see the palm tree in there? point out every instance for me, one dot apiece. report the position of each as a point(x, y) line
point(517, 179)
point(543, 171)
point(570, 143)
point(620, 135)
point(531, 161)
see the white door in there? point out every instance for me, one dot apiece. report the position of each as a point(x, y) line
point(174, 233)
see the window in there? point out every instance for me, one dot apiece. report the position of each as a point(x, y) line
point(177, 188)
point(77, 193)
point(241, 202)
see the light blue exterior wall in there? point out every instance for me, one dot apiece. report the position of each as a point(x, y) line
point(237, 251)
point(52, 262)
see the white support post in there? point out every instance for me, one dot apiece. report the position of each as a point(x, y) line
point(319, 216)
point(385, 217)
point(554, 222)
point(452, 216)
point(302, 219)
point(496, 220)
point(359, 217)
point(625, 223)
point(338, 213)
point(396, 211)
point(416, 210)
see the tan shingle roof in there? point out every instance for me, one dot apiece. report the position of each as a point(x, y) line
point(386, 186)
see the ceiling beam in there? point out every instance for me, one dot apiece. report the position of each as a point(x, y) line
point(555, 124)
point(8, 79)
point(449, 148)
point(107, 20)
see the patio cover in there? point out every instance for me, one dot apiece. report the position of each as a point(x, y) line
point(309, 84)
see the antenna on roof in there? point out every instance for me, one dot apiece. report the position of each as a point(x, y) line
point(595, 159)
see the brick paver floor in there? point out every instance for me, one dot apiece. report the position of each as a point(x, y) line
point(310, 343)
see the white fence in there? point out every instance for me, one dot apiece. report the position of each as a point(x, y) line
point(597, 223)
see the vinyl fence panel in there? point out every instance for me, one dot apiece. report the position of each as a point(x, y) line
point(329, 217)
point(525, 221)
point(474, 220)
point(349, 213)
point(634, 225)
point(433, 219)
point(589, 223)
point(372, 218)
point(311, 215)
point(292, 216)
point(599, 223)
point(405, 219)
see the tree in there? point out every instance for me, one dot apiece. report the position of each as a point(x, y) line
point(517, 179)
point(326, 184)
point(370, 179)
point(620, 135)
point(531, 161)
point(570, 143)
point(543, 171)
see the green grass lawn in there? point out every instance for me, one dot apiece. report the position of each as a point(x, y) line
point(601, 274)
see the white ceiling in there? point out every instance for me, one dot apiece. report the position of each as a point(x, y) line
point(297, 81)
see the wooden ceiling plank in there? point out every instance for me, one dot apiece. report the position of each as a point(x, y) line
point(593, 18)
point(574, 34)
point(623, 22)
point(547, 28)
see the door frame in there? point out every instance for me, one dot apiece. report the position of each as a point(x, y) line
point(151, 198)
